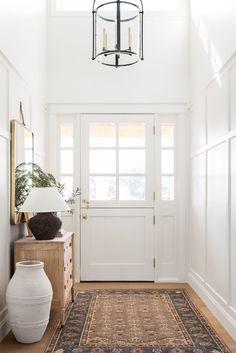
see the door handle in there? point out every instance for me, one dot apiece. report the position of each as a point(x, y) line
point(84, 216)
point(86, 202)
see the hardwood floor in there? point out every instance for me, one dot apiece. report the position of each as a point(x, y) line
point(9, 344)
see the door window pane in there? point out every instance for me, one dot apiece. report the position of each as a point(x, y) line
point(102, 134)
point(132, 134)
point(102, 188)
point(167, 162)
point(167, 135)
point(67, 162)
point(102, 161)
point(66, 135)
point(132, 188)
point(132, 161)
point(167, 188)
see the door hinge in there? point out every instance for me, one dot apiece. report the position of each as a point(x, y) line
point(154, 219)
point(154, 263)
point(154, 196)
point(154, 130)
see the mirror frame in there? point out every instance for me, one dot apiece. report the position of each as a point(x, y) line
point(14, 124)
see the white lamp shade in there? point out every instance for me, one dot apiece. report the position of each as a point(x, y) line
point(42, 200)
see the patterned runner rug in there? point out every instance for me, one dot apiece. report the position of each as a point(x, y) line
point(135, 321)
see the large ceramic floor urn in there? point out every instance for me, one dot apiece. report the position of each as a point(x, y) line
point(29, 296)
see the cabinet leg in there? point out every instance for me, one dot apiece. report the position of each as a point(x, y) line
point(62, 317)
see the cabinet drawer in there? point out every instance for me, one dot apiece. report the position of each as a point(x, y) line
point(68, 273)
point(68, 262)
point(68, 253)
point(68, 283)
point(68, 245)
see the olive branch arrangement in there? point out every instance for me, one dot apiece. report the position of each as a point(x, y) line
point(28, 175)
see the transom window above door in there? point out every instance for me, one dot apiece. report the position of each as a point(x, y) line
point(117, 161)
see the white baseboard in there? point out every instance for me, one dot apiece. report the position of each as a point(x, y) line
point(214, 305)
point(4, 327)
point(168, 280)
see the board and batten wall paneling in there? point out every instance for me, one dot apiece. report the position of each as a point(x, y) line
point(19, 92)
point(13, 89)
point(213, 87)
point(212, 226)
point(3, 99)
point(233, 225)
point(232, 96)
point(4, 232)
point(4, 197)
point(28, 86)
point(197, 222)
point(198, 125)
point(217, 221)
point(217, 108)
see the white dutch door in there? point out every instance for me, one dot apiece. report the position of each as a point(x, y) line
point(117, 207)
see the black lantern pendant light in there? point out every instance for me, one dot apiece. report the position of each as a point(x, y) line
point(118, 32)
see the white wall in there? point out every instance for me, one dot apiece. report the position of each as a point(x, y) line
point(212, 246)
point(212, 41)
point(22, 78)
point(162, 77)
point(78, 85)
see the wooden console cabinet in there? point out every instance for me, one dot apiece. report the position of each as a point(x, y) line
point(57, 255)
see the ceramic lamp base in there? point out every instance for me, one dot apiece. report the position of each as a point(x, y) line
point(44, 226)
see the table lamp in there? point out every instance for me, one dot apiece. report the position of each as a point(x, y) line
point(44, 201)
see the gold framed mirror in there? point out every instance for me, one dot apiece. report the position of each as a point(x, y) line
point(22, 151)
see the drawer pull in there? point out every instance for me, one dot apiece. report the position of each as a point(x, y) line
point(70, 276)
point(70, 244)
point(64, 286)
point(70, 260)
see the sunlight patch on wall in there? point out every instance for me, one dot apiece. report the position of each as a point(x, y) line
point(203, 35)
point(198, 9)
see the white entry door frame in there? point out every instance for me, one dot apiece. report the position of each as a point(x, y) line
point(117, 204)
point(170, 185)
